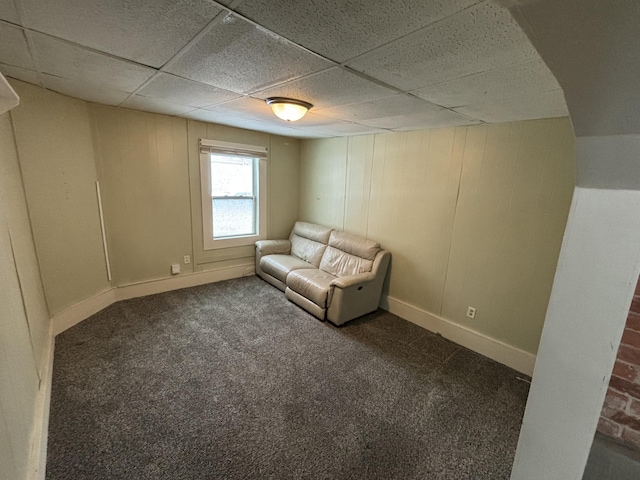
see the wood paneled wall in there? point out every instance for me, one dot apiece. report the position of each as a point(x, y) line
point(473, 216)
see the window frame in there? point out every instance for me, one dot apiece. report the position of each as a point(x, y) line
point(260, 183)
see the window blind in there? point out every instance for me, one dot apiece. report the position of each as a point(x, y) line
point(232, 149)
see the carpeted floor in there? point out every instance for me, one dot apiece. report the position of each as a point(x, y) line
point(232, 381)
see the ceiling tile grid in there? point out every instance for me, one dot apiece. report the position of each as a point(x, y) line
point(523, 107)
point(398, 104)
point(148, 32)
point(522, 79)
point(14, 49)
point(330, 88)
point(366, 66)
point(241, 57)
point(204, 115)
point(400, 112)
point(66, 60)
point(185, 92)
point(83, 90)
point(478, 39)
point(26, 75)
point(153, 105)
point(342, 129)
point(245, 107)
point(9, 12)
point(346, 29)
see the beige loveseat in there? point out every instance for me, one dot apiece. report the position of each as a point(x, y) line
point(331, 274)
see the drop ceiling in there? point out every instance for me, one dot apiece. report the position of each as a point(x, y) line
point(367, 66)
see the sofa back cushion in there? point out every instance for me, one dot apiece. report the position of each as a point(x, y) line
point(348, 254)
point(309, 241)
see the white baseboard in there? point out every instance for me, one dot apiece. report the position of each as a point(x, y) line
point(152, 287)
point(80, 311)
point(500, 352)
point(38, 453)
point(83, 310)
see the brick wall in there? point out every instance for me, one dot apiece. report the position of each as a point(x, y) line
point(620, 416)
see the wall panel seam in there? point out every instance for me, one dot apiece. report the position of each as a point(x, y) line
point(455, 212)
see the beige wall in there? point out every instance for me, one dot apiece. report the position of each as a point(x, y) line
point(473, 216)
point(149, 169)
point(24, 318)
point(144, 180)
point(52, 150)
point(55, 148)
point(322, 180)
point(283, 196)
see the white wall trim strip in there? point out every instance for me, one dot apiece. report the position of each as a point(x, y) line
point(104, 231)
point(39, 434)
point(183, 281)
point(83, 310)
point(500, 352)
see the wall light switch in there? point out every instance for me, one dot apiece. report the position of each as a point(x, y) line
point(175, 269)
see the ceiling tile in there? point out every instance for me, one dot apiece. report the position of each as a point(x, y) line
point(399, 104)
point(273, 128)
point(400, 112)
point(343, 30)
point(185, 92)
point(245, 107)
point(432, 117)
point(526, 78)
point(333, 87)
point(83, 90)
point(14, 49)
point(146, 104)
point(522, 107)
point(307, 134)
point(9, 12)
point(343, 129)
point(241, 57)
point(204, 115)
point(18, 73)
point(241, 122)
point(313, 120)
point(66, 60)
point(148, 32)
point(478, 39)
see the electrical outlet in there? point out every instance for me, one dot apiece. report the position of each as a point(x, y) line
point(471, 312)
point(187, 259)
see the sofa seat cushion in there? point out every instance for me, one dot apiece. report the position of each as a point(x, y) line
point(279, 266)
point(313, 284)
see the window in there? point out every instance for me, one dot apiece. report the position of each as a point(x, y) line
point(233, 180)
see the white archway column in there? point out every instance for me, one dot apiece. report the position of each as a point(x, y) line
point(597, 271)
point(591, 47)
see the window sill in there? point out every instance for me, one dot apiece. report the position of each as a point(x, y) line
point(211, 244)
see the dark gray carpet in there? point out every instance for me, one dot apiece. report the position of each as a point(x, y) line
point(232, 381)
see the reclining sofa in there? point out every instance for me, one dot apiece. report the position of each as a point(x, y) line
point(333, 275)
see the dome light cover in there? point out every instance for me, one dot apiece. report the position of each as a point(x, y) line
point(287, 108)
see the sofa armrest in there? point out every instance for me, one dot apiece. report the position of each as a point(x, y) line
point(353, 280)
point(357, 295)
point(272, 247)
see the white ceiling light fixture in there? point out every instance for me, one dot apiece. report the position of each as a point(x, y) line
point(287, 108)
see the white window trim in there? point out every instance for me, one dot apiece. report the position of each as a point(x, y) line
point(209, 243)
